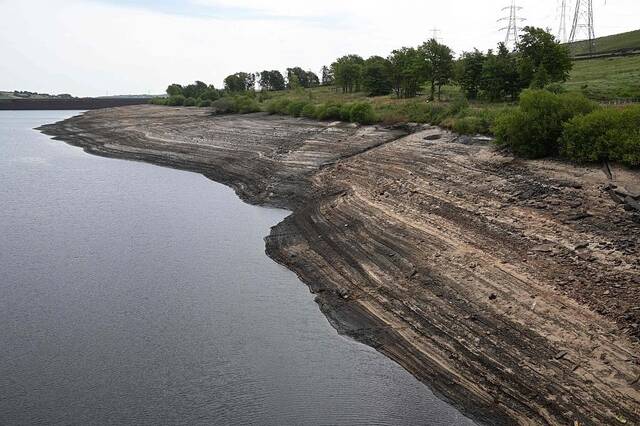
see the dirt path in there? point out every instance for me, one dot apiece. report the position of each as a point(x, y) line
point(511, 288)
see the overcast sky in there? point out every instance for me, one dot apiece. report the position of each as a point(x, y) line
point(95, 47)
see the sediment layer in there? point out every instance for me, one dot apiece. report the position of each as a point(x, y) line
point(511, 288)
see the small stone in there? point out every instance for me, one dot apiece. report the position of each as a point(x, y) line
point(493, 296)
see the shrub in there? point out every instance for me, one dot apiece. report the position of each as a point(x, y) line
point(469, 125)
point(345, 112)
point(362, 112)
point(605, 134)
point(295, 108)
point(246, 104)
point(189, 102)
point(176, 100)
point(422, 112)
point(158, 101)
point(309, 111)
point(458, 106)
point(533, 129)
point(556, 88)
point(224, 105)
point(203, 103)
point(278, 106)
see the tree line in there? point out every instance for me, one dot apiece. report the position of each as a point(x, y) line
point(537, 61)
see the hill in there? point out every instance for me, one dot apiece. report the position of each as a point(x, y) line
point(607, 79)
point(23, 94)
point(617, 43)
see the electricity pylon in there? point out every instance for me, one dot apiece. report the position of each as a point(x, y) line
point(583, 21)
point(562, 31)
point(514, 22)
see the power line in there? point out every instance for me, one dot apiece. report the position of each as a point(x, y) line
point(583, 22)
point(512, 28)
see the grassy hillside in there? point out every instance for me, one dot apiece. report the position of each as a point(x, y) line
point(607, 78)
point(612, 43)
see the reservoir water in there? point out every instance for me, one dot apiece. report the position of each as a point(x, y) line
point(135, 294)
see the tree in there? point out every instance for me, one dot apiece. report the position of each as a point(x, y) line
point(537, 49)
point(500, 75)
point(240, 82)
point(376, 80)
point(408, 69)
point(347, 72)
point(440, 58)
point(327, 76)
point(194, 90)
point(271, 80)
point(470, 78)
point(304, 78)
point(174, 90)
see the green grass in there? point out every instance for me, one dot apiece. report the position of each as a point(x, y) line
point(612, 43)
point(452, 112)
point(607, 78)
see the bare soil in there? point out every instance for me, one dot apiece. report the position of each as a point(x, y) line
point(510, 287)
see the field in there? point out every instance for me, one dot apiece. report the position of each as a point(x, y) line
point(607, 79)
point(613, 43)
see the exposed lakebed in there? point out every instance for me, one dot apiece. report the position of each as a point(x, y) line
point(131, 293)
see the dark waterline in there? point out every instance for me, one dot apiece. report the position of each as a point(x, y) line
point(134, 294)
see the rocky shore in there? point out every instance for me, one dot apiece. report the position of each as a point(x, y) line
point(510, 287)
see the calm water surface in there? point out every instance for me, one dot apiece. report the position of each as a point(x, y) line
point(135, 294)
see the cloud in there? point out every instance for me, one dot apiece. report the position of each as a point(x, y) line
point(91, 47)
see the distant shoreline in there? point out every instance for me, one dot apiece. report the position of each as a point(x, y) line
point(69, 104)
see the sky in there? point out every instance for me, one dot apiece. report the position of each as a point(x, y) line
point(100, 47)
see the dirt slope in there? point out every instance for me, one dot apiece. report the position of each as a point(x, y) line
point(511, 288)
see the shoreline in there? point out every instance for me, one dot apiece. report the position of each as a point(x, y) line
point(383, 234)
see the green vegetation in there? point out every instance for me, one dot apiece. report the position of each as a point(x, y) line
point(612, 43)
point(606, 134)
point(572, 126)
point(521, 96)
point(534, 128)
point(607, 78)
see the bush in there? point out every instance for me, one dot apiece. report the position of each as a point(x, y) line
point(605, 134)
point(189, 102)
point(459, 105)
point(345, 112)
point(362, 112)
point(278, 106)
point(533, 129)
point(556, 88)
point(246, 105)
point(295, 108)
point(422, 112)
point(203, 103)
point(158, 101)
point(176, 100)
point(224, 105)
point(309, 111)
point(469, 125)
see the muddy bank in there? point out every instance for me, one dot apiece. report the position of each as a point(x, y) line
point(511, 288)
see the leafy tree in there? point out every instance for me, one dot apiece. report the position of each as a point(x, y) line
point(538, 49)
point(408, 69)
point(298, 76)
point(500, 75)
point(174, 90)
point(240, 82)
point(271, 80)
point(470, 75)
point(327, 76)
point(376, 80)
point(440, 58)
point(194, 90)
point(347, 72)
